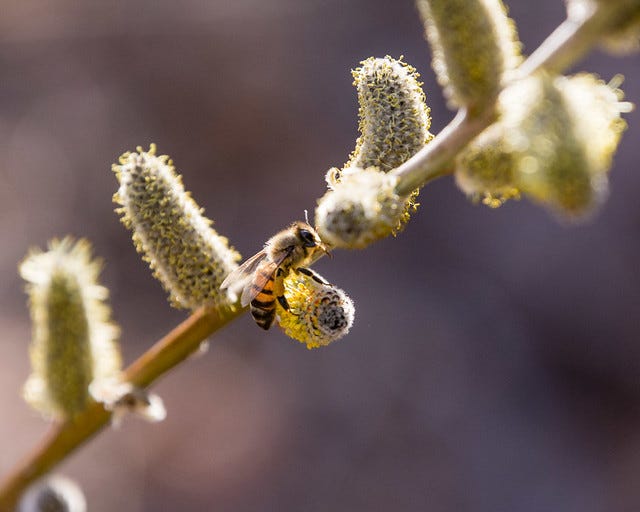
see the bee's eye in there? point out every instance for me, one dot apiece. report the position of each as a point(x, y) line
point(307, 238)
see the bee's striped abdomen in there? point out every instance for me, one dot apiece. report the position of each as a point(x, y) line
point(263, 306)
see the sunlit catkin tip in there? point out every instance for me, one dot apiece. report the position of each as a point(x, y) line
point(360, 208)
point(74, 340)
point(318, 314)
point(186, 254)
point(620, 21)
point(474, 46)
point(394, 117)
point(54, 493)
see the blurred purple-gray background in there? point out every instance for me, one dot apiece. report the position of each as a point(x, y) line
point(494, 363)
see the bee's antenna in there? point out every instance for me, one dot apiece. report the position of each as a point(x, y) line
point(306, 216)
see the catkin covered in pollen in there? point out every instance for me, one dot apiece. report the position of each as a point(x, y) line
point(74, 341)
point(474, 46)
point(186, 254)
point(362, 205)
point(318, 314)
point(394, 117)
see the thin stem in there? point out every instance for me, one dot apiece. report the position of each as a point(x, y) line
point(567, 44)
point(64, 438)
point(434, 160)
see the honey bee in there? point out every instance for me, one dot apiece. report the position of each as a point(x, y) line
point(260, 278)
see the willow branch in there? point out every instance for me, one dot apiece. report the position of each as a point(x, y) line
point(570, 42)
point(434, 160)
point(63, 438)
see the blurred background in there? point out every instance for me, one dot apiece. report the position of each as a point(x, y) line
point(495, 357)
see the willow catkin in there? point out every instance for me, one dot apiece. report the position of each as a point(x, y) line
point(74, 341)
point(394, 118)
point(474, 46)
point(361, 205)
point(318, 314)
point(553, 143)
point(184, 252)
point(620, 20)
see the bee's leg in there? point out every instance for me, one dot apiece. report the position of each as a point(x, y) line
point(283, 302)
point(311, 274)
point(278, 289)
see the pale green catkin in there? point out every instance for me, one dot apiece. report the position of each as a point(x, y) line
point(394, 117)
point(186, 254)
point(554, 143)
point(74, 341)
point(474, 46)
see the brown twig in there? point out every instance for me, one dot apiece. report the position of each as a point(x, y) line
point(63, 438)
point(571, 41)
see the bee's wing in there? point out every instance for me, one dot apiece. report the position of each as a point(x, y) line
point(241, 277)
point(261, 277)
point(259, 280)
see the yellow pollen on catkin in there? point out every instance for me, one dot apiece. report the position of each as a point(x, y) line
point(361, 205)
point(186, 254)
point(394, 117)
point(318, 313)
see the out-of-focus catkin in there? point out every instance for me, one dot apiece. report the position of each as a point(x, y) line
point(74, 340)
point(474, 46)
point(620, 21)
point(554, 143)
point(485, 171)
point(186, 254)
point(318, 314)
point(54, 493)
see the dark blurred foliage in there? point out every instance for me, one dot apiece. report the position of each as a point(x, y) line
point(495, 357)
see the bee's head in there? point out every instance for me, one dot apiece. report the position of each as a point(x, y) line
point(310, 237)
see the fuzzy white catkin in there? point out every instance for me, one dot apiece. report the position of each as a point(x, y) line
point(361, 207)
point(54, 493)
point(74, 340)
